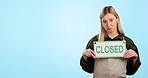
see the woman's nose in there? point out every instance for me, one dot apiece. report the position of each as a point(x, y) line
point(108, 23)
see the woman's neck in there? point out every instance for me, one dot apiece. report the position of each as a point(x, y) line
point(113, 34)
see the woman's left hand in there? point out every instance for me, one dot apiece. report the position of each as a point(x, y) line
point(131, 53)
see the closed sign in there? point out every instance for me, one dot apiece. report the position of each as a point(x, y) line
point(105, 49)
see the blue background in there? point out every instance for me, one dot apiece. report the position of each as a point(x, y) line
point(46, 38)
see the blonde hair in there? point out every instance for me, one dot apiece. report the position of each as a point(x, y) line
point(111, 10)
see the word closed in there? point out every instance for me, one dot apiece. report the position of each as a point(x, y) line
point(109, 49)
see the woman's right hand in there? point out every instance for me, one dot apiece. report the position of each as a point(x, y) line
point(88, 53)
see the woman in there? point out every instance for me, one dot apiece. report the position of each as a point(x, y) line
point(110, 67)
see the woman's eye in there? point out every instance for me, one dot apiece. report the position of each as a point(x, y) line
point(104, 21)
point(111, 20)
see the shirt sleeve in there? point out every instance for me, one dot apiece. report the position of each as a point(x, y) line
point(87, 66)
point(132, 68)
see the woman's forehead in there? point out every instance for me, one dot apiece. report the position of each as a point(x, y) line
point(108, 16)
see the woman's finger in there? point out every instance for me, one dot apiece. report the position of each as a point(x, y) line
point(91, 54)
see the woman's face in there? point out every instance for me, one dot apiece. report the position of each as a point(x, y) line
point(109, 22)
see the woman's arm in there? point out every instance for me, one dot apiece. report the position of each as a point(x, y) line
point(132, 54)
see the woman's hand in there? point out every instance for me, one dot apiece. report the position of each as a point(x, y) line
point(88, 53)
point(131, 53)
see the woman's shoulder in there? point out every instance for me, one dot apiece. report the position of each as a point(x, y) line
point(94, 38)
point(128, 39)
point(90, 43)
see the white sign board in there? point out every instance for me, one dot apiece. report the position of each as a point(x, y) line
point(105, 49)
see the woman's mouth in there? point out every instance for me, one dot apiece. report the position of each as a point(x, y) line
point(109, 28)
